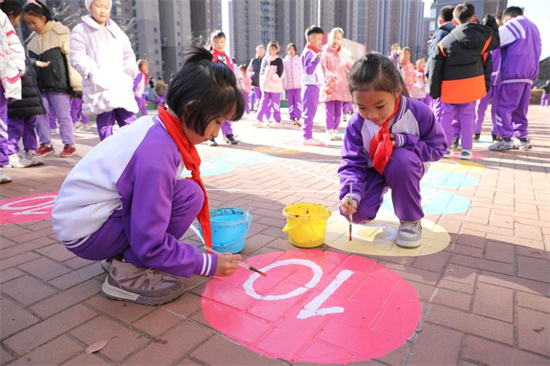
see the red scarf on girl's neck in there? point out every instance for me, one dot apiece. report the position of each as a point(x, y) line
point(313, 48)
point(226, 59)
point(192, 162)
point(145, 77)
point(381, 147)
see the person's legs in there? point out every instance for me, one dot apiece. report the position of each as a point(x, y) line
point(466, 115)
point(329, 115)
point(437, 109)
point(448, 112)
point(52, 116)
point(291, 103)
point(104, 123)
point(227, 128)
point(29, 134)
point(43, 121)
point(4, 145)
point(310, 97)
point(519, 115)
point(373, 197)
point(509, 97)
point(61, 104)
point(544, 100)
point(276, 104)
point(258, 93)
point(123, 117)
point(337, 114)
point(403, 174)
point(480, 109)
point(142, 105)
point(246, 98)
point(263, 108)
point(16, 128)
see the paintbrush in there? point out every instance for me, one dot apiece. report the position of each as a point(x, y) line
point(350, 202)
point(242, 264)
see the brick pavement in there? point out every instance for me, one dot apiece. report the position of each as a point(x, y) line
point(485, 298)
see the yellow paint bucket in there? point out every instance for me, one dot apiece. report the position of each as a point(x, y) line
point(306, 224)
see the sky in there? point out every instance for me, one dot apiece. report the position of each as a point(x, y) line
point(537, 11)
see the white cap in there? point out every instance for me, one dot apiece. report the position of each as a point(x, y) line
point(89, 3)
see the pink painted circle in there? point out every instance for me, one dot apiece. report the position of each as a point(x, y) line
point(314, 306)
point(34, 207)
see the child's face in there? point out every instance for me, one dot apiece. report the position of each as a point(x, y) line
point(421, 65)
point(375, 106)
point(273, 51)
point(35, 23)
point(290, 51)
point(337, 40)
point(316, 39)
point(15, 20)
point(211, 131)
point(145, 67)
point(101, 11)
point(396, 48)
point(243, 71)
point(260, 52)
point(406, 56)
point(218, 44)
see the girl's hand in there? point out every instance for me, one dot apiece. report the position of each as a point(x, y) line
point(332, 81)
point(226, 265)
point(346, 208)
point(392, 139)
point(42, 64)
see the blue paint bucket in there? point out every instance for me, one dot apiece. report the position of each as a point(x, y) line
point(229, 228)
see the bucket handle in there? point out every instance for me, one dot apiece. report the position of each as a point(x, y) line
point(289, 227)
point(241, 235)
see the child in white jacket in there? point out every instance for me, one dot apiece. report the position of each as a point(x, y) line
point(292, 81)
point(101, 52)
point(271, 83)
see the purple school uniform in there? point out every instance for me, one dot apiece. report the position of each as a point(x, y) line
point(419, 140)
point(520, 49)
point(312, 79)
point(105, 206)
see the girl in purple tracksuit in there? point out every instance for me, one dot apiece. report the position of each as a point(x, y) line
point(106, 210)
point(140, 86)
point(389, 143)
point(292, 82)
point(271, 83)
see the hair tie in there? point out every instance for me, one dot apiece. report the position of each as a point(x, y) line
point(365, 59)
point(33, 2)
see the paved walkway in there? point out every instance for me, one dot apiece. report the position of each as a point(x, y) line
point(484, 298)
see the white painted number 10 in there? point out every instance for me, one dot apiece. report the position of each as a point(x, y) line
point(313, 308)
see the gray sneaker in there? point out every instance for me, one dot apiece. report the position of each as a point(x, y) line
point(502, 146)
point(466, 154)
point(409, 234)
point(448, 153)
point(4, 177)
point(523, 146)
point(126, 282)
point(19, 161)
point(35, 160)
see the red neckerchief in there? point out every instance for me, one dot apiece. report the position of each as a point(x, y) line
point(192, 162)
point(226, 59)
point(145, 77)
point(313, 48)
point(381, 146)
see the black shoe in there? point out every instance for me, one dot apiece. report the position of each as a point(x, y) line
point(476, 137)
point(230, 140)
point(456, 142)
point(212, 142)
point(495, 138)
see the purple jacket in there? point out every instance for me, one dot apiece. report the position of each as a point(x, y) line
point(520, 48)
point(121, 173)
point(312, 71)
point(415, 129)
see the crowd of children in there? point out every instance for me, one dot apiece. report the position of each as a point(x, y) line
point(407, 117)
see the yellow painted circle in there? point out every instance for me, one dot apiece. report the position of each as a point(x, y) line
point(275, 150)
point(378, 237)
point(462, 166)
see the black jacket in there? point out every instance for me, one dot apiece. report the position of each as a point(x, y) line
point(438, 35)
point(458, 73)
point(256, 66)
point(54, 77)
point(31, 102)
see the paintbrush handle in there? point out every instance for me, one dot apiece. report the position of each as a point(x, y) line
point(242, 264)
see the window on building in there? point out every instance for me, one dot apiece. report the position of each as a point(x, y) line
point(157, 63)
point(155, 30)
point(156, 41)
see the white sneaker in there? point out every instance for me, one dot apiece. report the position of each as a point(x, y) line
point(4, 177)
point(312, 142)
point(54, 131)
point(259, 124)
point(448, 153)
point(337, 136)
point(409, 234)
point(19, 161)
point(330, 135)
point(271, 124)
point(466, 154)
point(502, 146)
point(523, 146)
point(35, 160)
